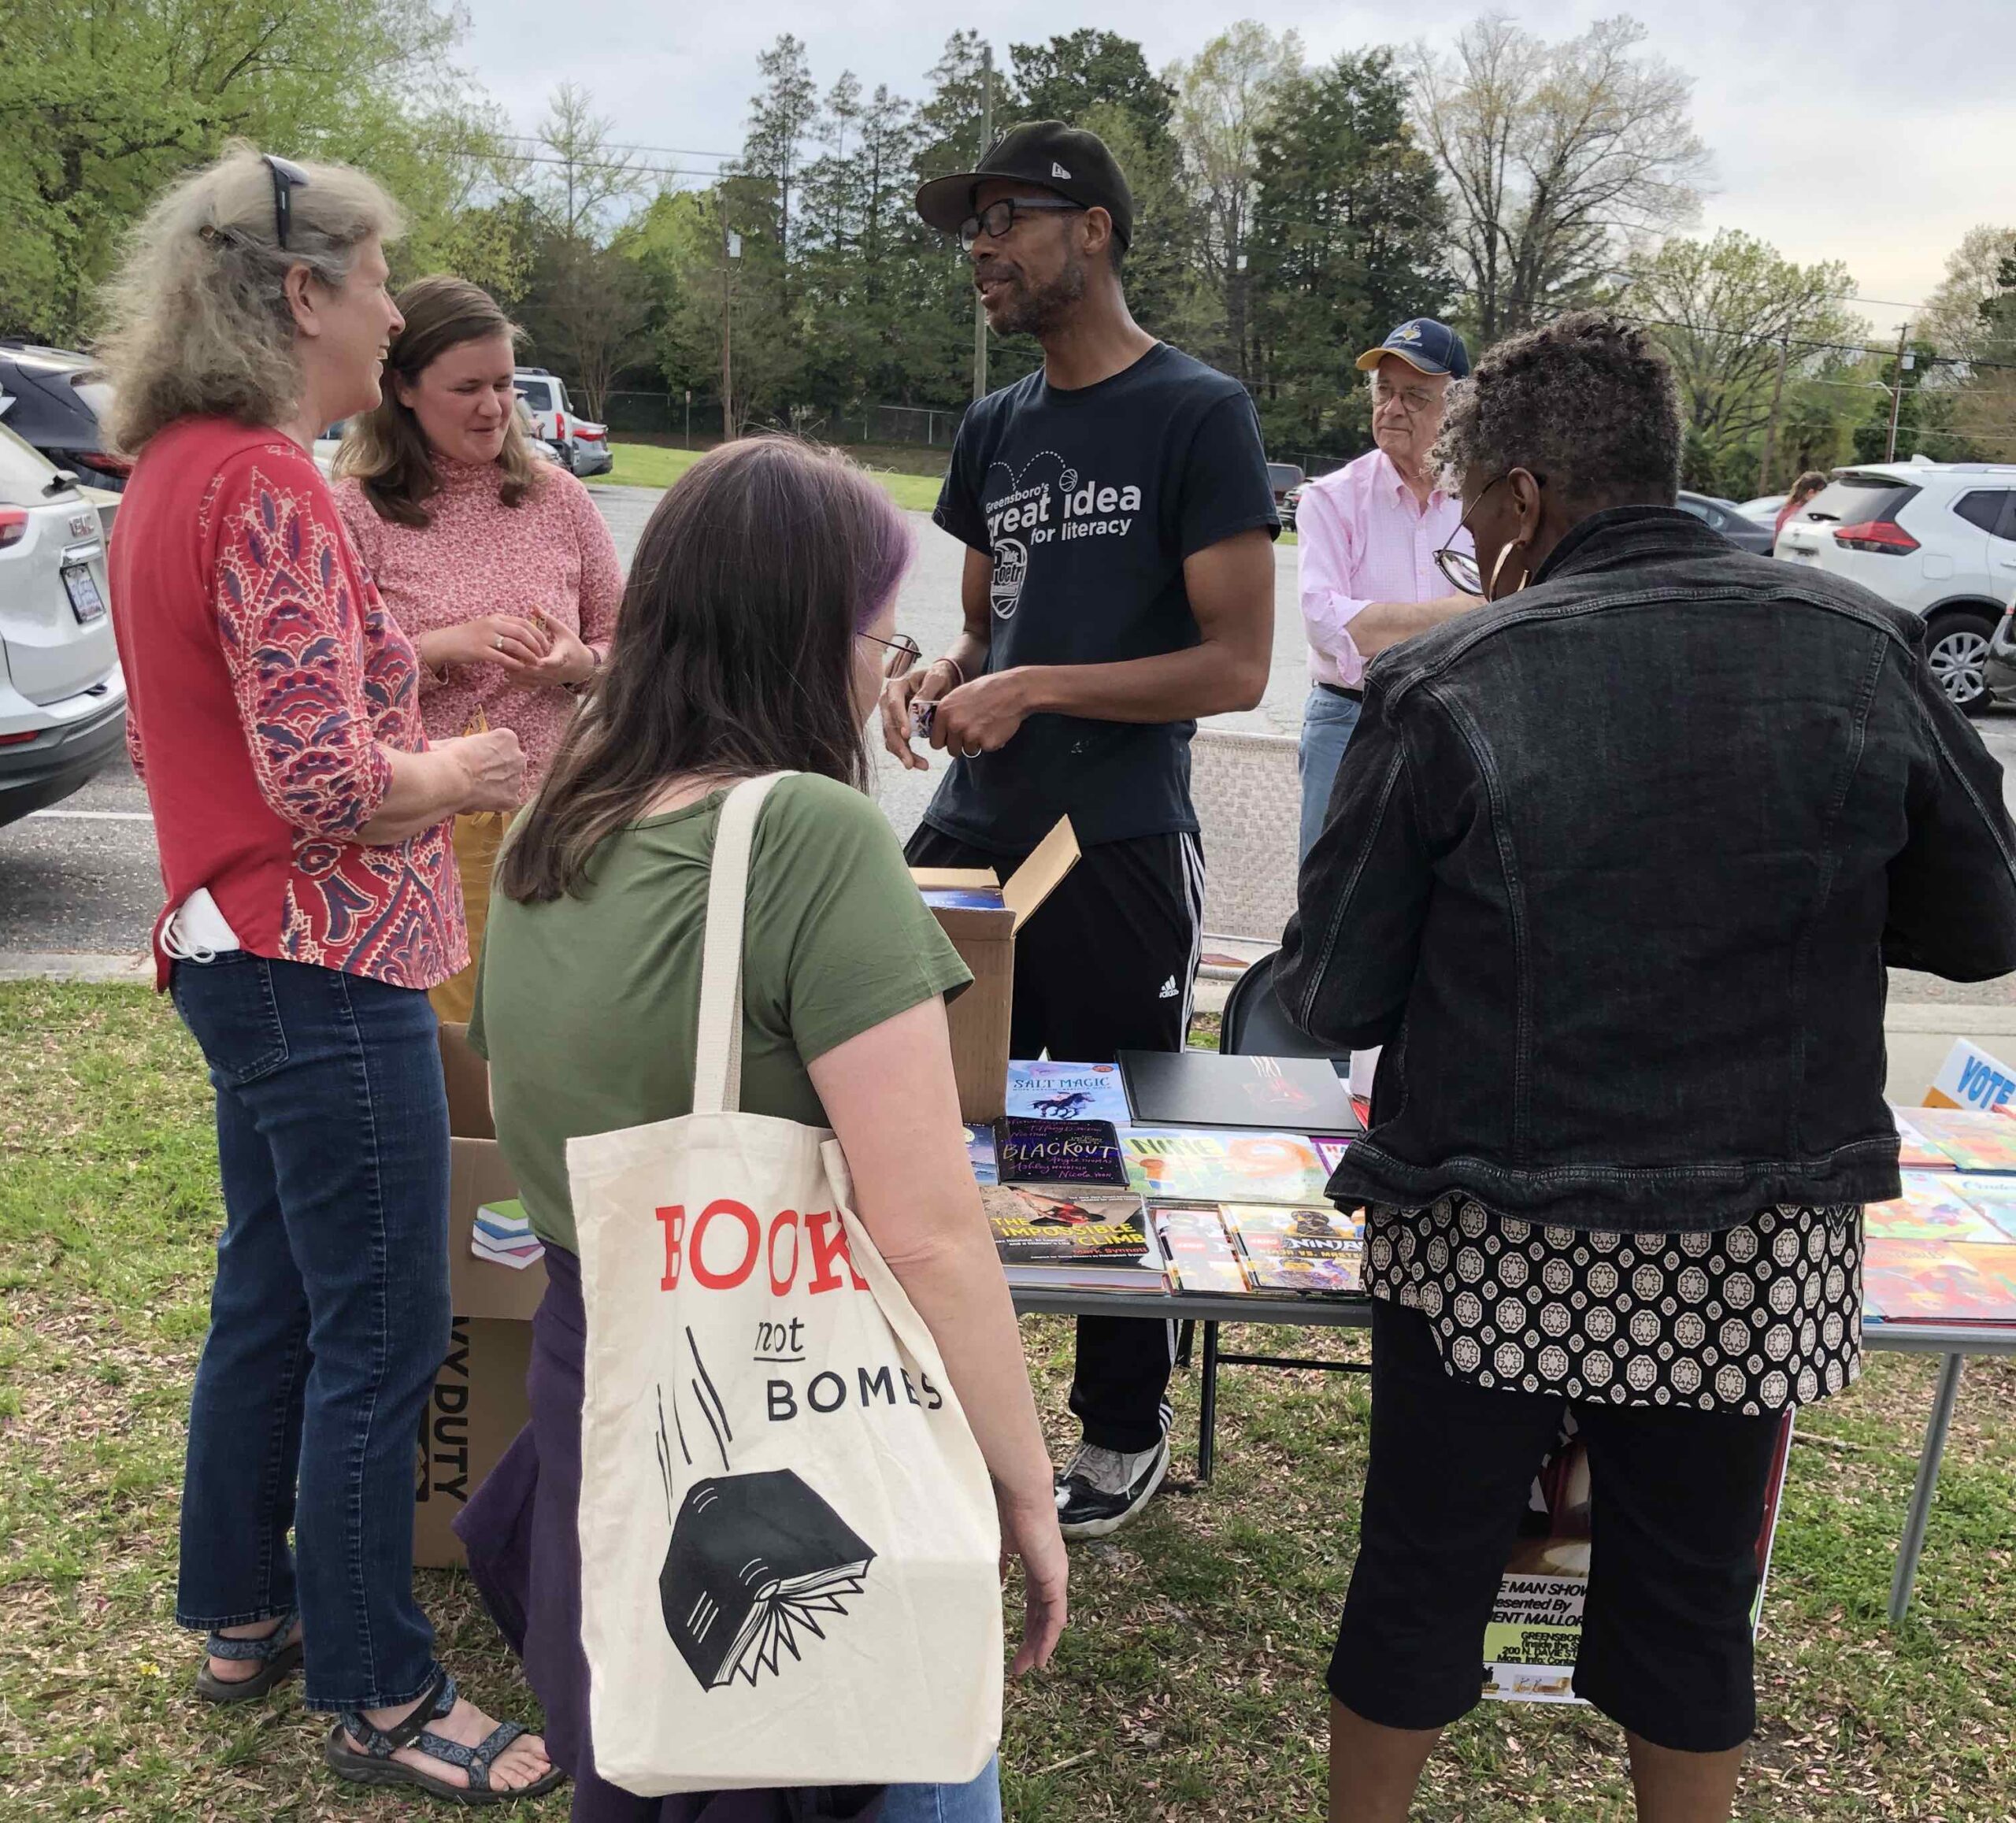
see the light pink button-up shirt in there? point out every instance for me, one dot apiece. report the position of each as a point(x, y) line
point(1362, 538)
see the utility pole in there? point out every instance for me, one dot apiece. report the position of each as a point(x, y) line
point(986, 140)
point(1897, 393)
point(731, 246)
point(1771, 429)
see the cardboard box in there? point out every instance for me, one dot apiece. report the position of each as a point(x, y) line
point(478, 1404)
point(985, 938)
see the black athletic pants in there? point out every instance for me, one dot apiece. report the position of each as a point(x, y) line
point(1106, 965)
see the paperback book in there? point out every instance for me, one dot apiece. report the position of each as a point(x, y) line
point(1067, 1092)
point(1914, 1151)
point(1330, 1148)
point(1183, 1166)
point(1033, 1151)
point(1936, 1206)
point(1992, 1197)
point(1304, 1252)
point(1044, 1222)
point(1973, 1141)
point(1200, 1255)
point(1937, 1281)
point(980, 1153)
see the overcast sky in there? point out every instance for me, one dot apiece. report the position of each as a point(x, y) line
point(1857, 131)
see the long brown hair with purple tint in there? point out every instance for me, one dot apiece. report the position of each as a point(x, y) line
point(734, 653)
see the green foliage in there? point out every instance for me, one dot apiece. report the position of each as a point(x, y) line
point(101, 105)
point(1071, 74)
point(1348, 231)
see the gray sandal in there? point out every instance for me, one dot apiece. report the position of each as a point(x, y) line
point(374, 1765)
point(277, 1656)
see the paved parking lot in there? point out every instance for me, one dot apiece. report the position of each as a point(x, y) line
point(84, 878)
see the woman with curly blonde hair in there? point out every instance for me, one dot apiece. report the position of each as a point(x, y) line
point(310, 902)
point(496, 563)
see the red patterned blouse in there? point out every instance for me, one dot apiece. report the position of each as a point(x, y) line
point(264, 682)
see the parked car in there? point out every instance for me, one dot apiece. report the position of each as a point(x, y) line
point(583, 445)
point(62, 694)
point(1290, 501)
point(1764, 509)
point(59, 398)
point(1726, 517)
point(332, 440)
point(1936, 539)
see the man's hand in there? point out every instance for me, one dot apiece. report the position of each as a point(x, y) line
point(927, 684)
point(982, 716)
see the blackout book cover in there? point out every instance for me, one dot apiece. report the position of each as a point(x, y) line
point(1201, 1088)
point(756, 1561)
point(1046, 1151)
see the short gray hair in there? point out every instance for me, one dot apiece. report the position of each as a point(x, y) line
point(197, 318)
point(1587, 401)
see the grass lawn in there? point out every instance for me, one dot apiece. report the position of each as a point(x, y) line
point(656, 466)
point(1189, 1686)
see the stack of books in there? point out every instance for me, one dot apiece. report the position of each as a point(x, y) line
point(503, 1233)
point(1239, 1248)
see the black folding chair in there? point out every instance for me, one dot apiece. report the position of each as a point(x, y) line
point(1255, 1025)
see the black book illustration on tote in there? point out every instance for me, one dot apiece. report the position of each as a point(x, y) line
point(756, 1561)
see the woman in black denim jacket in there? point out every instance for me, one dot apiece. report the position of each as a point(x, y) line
point(1612, 871)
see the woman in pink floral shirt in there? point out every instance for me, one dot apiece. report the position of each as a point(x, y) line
point(496, 563)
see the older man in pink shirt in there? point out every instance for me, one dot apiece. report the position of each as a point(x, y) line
point(1368, 535)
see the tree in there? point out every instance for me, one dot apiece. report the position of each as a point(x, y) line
point(1970, 318)
point(781, 116)
point(1349, 229)
point(1724, 310)
point(1556, 155)
point(587, 312)
point(577, 178)
point(101, 105)
point(1226, 95)
point(1066, 77)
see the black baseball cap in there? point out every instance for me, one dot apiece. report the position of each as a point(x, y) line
point(1424, 344)
point(1068, 160)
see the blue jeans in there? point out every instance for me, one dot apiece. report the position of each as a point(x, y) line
point(979, 1803)
point(1326, 723)
point(328, 1318)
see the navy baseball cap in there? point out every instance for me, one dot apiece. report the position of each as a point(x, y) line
point(1422, 342)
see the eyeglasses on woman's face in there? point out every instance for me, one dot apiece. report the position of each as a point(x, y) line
point(1460, 567)
point(899, 655)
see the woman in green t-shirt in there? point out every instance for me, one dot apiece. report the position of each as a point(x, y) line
point(754, 636)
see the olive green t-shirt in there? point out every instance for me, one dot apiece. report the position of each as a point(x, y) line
point(587, 1007)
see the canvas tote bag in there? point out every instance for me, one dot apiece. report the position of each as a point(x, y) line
point(789, 1551)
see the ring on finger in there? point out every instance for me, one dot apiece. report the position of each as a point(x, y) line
point(970, 753)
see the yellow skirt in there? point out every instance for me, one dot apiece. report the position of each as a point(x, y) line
point(477, 839)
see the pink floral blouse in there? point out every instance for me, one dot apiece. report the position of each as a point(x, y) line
point(552, 551)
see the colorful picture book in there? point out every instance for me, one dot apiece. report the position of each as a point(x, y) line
point(1201, 1257)
point(1938, 1281)
point(502, 1234)
point(1936, 1206)
point(1068, 1091)
point(1993, 1197)
point(1535, 1633)
point(1973, 1141)
point(1330, 1148)
point(980, 1153)
point(1914, 1151)
point(1202, 1088)
point(1303, 1252)
point(1042, 1151)
point(1183, 1166)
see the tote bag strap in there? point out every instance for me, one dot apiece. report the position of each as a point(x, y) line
point(718, 1054)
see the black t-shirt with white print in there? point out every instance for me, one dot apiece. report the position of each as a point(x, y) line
point(1089, 500)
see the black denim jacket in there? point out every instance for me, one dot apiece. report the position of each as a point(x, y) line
point(1613, 869)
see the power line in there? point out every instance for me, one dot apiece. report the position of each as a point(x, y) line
point(668, 151)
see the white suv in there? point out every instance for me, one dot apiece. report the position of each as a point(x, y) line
point(62, 694)
point(584, 446)
point(1937, 539)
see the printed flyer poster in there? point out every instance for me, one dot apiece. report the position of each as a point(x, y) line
point(1535, 1626)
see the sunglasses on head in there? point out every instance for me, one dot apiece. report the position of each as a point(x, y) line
point(287, 177)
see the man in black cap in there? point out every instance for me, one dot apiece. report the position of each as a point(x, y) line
point(1119, 583)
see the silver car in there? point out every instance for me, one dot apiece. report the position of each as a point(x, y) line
point(62, 694)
